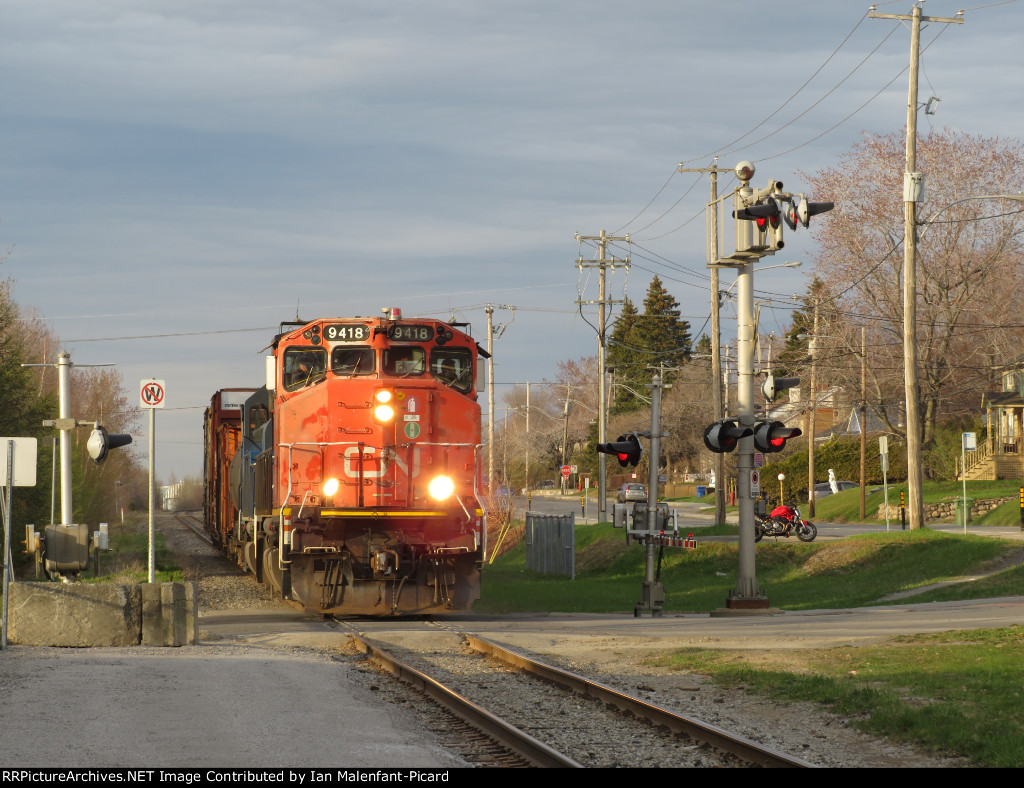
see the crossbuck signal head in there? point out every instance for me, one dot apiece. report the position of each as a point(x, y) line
point(723, 436)
point(767, 216)
point(627, 449)
point(800, 210)
point(771, 436)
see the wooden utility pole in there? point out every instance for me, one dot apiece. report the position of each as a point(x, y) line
point(863, 418)
point(716, 331)
point(490, 387)
point(490, 399)
point(912, 194)
point(814, 411)
point(602, 263)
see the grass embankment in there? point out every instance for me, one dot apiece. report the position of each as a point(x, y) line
point(848, 573)
point(127, 561)
point(958, 693)
point(844, 507)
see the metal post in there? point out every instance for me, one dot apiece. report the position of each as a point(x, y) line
point(152, 462)
point(747, 594)
point(653, 591)
point(64, 412)
point(7, 538)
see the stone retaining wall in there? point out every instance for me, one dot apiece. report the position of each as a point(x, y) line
point(81, 615)
point(946, 510)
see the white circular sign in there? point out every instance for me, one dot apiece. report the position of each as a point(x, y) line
point(152, 393)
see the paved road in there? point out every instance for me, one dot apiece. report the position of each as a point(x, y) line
point(257, 694)
point(696, 515)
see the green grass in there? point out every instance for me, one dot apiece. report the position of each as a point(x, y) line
point(959, 694)
point(851, 572)
point(844, 507)
point(128, 560)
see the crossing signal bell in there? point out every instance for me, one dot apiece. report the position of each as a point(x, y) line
point(723, 436)
point(100, 442)
point(627, 448)
point(771, 436)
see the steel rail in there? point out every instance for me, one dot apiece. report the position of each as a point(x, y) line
point(508, 735)
point(701, 732)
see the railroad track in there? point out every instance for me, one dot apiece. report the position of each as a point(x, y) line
point(548, 717)
point(194, 523)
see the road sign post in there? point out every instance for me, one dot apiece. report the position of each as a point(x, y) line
point(152, 395)
point(968, 442)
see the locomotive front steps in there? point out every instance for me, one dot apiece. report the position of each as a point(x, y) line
point(81, 615)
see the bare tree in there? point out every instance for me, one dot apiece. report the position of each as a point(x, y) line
point(969, 266)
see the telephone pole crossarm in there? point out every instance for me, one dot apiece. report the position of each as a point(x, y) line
point(602, 263)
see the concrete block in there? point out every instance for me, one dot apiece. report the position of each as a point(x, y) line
point(77, 615)
point(191, 613)
point(152, 632)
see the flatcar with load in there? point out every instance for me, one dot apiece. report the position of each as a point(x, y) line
point(350, 481)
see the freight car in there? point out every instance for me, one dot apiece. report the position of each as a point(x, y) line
point(350, 481)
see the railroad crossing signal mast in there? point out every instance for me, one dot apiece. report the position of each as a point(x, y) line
point(650, 530)
point(761, 215)
point(65, 545)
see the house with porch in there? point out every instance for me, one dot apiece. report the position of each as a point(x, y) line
point(1000, 455)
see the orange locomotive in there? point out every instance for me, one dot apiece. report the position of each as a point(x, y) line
point(349, 482)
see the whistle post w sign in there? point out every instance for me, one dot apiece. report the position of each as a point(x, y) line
point(152, 393)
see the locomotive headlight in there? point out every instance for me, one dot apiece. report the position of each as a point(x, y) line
point(330, 487)
point(441, 488)
point(384, 411)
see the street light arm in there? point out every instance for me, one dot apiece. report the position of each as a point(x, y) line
point(928, 222)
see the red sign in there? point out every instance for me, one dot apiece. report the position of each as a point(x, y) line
point(566, 470)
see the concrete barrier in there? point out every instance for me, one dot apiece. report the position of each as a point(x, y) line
point(81, 615)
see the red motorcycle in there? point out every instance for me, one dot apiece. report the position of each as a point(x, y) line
point(783, 521)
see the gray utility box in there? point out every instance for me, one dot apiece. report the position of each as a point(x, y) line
point(67, 547)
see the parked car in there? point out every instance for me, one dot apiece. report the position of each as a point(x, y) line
point(632, 491)
point(547, 485)
point(825, 488)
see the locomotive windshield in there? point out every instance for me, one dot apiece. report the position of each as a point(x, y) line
point(352, 360)
point(404, 361)
point(453, 367)
point(303, 366)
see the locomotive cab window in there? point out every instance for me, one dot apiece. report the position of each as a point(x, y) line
point(453, 367)
point(404, 361)
point(352, 360)
point(303, 367)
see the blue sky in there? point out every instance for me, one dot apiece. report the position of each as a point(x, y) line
point(178, 173)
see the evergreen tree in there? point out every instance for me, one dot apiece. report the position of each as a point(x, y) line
point(796, 351)
point(641, 342)
point(622, 355)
